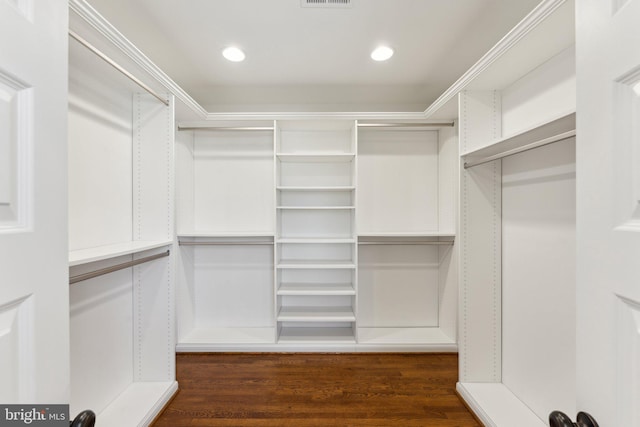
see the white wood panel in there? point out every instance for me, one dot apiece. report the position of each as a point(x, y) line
point(101, 312)
point(397, 181)
point(448, 176)
point(480, 243)
point(398, 286)
point(100, 156)
point(538, 277)
point(185, 181)
point(33, 242)
point(16, 350)
point(547, 92)
point(299, 141)
point(608, 240)
point(234, 181)
point(233, 286)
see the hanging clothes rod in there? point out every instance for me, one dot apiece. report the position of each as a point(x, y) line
point(546, 141)
point(224, 243)
point(115, 65)
point(122, 266)
point(404, 125)
point(214, 128)
point(400, 242)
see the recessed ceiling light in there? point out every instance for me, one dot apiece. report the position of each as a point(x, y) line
point(381, 53)
point(233, 54)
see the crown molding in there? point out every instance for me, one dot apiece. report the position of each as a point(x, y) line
point(118, 40)
point(319, 115)
point(524, 27)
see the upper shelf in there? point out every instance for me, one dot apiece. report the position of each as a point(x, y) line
point(544, 33)
point(555, 130)
point(85, 256)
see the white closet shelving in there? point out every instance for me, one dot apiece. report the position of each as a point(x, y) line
point(315, 240)
point(120, 211)
point(226, 211)
point(517, 221)
point(406, 236)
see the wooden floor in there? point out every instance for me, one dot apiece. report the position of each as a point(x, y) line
point(301, 390)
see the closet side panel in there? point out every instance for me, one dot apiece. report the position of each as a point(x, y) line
point(154, 299)
point(480, 242)
point(185, 285)
point(539, 262)
point(448, 175)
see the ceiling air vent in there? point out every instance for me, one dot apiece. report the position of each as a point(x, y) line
point(325, 3)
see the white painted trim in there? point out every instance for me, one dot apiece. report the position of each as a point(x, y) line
point(473, 404)
point(321, 347)
point(118, 40)
point(320, 116)
point(159, 406)
point(524, 27)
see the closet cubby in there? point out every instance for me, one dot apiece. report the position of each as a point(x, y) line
point(226, 211)
point(406, 231)
point(120, 211)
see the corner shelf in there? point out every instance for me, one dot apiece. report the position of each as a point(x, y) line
point(319, 208)
point(139, 404)
point(207, 336)
point(100, 253)
point(495, 405)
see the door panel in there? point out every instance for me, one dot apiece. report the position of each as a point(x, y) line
point(34, 297)
point(608, 194)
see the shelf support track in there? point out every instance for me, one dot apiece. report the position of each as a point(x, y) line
point(115, 65)
point(122, 266)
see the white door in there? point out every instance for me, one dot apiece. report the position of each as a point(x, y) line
point(608, 211)
point(34, 301)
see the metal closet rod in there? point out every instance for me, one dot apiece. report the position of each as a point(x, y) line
point(122, 266)
point(546, 141)
point(225, 243)
point(404, 125)
point(400, 242)
point(115, 65)
point(214, 128)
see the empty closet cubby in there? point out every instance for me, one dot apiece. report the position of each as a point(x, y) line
point(406, 222)
point(120, 213)
point(226, 211)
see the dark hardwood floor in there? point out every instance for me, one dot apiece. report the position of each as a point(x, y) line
point(301, 390)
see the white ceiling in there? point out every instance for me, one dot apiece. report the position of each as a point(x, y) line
point(314, 59)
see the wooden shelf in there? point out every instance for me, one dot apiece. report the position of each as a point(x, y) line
point(404, 336)
point(316, 314)
point(138, 404)
point(85, 256)
point(306, 265)
point(317, 208)
point(314, 241)
point(564, 125)
point(316, 336)
point(319, 289)
point(405, 234)
point(316, 157)
point(200, 336)
point(231, 234)
point(317, 188)
point(495, 405)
